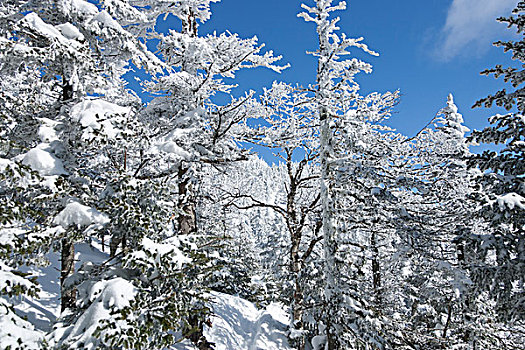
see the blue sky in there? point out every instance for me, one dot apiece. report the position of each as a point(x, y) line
point(427, 48)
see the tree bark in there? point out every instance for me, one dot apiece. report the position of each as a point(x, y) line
point(295, 238)
point(187, 224)
point(329, 230)
point(376, 272)
point(113, 245)
point(114, 242)
point(68, 294)
point(449, 317)
point(327, 205)
point(297, 314)
point(67, 91)
point(298, 297)
point(187, 219)
point(67, 268)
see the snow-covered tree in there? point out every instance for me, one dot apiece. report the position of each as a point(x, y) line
point(20, 244)
point(346, 120)
point(190, 128)
point(186, 130)
point(373, 239)
point(434, 195)
point(76, 49)
point(497, 257)
point(249, 242)
point(122, 164)
point(289, 128)
point(86, 150)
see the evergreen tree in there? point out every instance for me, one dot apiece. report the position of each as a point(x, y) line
point(77, 49)
point(496, 259)
point(435, 195)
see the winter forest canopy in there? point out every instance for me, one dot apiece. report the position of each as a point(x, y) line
point(141, 219)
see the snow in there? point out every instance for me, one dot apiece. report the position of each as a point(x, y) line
point(107, 21)
point(61, 33)
point(15, 330)
point(173, 148)
point(511, 201)
point(76, 214)
point(169, 143)
point(70, 31)
point(8, 280)
point(238, 324)
point(46, 131)
point(95, 115)
point(42, 312)
point(39, 159)
point(161, 249)
point(318, 342)
point(5, 163)
point(34, 22)
point(114, 294)
point(452, 120)
point(7, 236)
point(107, 297)
point(83, 7)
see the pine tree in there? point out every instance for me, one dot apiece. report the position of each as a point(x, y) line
point(78, 49)
point(434, 288)
point(497, 258)
point(186, 129)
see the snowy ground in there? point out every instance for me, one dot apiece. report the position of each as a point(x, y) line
point(42, 312)
point(236, 323)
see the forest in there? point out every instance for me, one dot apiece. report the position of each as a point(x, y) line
point(135, 213)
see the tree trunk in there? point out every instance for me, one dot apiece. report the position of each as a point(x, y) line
point(296, 270)
point(298, 297)
point(195, 333)
point(295, 238)
point(329, 230)
point(67, 268)
point(187, 219)
point(67, 91)
point(114, 242)
point(68, 295)
point(327, 205)
point(297, 312)
point(449, 317)
point(187, 224)
point(376, 272)
point(113, 245)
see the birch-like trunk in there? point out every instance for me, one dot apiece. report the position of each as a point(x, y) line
point(187, 219)
point(329, 230)
point(325, 155)
point(295, 258)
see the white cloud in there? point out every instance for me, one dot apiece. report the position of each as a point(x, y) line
point(471, 25)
